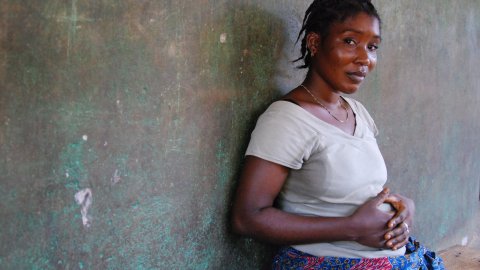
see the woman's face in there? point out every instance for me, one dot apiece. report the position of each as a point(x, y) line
point(347, 54)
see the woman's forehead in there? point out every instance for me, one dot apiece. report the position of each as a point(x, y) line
point(361, 23)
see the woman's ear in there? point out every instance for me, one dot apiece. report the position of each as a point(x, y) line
point(313, 41)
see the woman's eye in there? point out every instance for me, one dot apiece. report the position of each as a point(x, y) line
point(373, 47)
point(349, 41)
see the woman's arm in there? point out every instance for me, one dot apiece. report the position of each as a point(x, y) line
point(254, 215)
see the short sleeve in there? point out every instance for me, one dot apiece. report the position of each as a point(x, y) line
point(282, 138)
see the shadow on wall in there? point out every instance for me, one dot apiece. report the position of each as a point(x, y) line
point(242, 59)
point(242, 62)
point(147, 108)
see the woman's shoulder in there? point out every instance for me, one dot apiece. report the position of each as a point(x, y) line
point(285, 109)
point(282, 135)
point(363, 113)
point(288, 118)
point(357, 106)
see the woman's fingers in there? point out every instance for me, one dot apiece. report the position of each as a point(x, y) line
point(398, 243)
point(381, 197)
point(399, 217)
point(399, 232)
point(398, 237)
point(401, 210)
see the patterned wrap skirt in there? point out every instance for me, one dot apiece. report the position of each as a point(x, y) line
point(416, 257)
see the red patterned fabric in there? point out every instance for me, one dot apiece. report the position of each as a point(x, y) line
point(417, 257)
point(377, 263)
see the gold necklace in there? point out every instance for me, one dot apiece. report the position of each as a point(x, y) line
point(323, 106)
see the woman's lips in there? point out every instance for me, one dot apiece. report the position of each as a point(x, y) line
point(357, 77)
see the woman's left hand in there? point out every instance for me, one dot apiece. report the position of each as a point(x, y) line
point(401, 223)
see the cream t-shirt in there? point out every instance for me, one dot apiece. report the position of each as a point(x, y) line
point(332, 172)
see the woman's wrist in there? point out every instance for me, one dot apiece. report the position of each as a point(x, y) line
point(351, 230)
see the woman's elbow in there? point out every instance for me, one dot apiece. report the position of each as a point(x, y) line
point(238, 224)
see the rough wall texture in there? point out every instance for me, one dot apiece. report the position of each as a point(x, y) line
point(123, 123)
point(424, 97)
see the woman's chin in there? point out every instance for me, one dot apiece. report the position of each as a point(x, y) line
point(351, 89)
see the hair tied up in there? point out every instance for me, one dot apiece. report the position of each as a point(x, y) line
point(321, 14)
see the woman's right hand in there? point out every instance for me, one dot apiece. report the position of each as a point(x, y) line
point(371, 223)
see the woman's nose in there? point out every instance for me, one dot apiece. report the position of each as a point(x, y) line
point(363, 57)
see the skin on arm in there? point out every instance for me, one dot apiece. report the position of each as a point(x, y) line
point(255, 216)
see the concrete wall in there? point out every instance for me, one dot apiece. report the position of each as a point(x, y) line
point(123, 123)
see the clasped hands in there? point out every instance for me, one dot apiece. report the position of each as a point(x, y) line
point(385, 230)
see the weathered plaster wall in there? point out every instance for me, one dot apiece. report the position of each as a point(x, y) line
point(424, 97)
point(123, 123)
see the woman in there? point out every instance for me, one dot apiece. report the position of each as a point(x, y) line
point(313, 176)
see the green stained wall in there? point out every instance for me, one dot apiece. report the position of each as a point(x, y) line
point(143, 110)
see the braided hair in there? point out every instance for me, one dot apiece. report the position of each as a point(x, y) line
point(321, 14)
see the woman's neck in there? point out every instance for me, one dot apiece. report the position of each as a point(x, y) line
point(322, 91)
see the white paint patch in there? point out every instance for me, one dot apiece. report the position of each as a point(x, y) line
point(85, 137)
point(105, 143)
point(172, 50)
point(84, 199)
point(115, 178)
point(118, 102)
point(465, 241)
point(223, 37)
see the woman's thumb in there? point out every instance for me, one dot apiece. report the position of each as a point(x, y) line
point(382, 196)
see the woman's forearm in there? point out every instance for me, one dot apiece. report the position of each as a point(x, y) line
point(255, 216)
point(278, 227)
